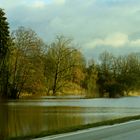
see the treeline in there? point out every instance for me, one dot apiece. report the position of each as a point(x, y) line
point(28, 65)
point(117, 76)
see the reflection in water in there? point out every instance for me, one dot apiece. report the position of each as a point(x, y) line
point(22, 121)
point(3, 121)
point(18, 118)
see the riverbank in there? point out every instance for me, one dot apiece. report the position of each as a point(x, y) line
point(81, 127)
point(81, 94)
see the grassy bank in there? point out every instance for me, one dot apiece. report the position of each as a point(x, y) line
point(93, 125)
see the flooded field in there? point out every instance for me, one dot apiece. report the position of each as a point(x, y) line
point(33, 116)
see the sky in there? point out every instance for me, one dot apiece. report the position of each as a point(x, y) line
point(94, 25)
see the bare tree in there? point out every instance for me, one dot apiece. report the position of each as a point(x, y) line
point(59, 64)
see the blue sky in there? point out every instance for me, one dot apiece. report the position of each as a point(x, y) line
point(95, 25)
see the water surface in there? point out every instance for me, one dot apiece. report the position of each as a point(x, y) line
point(33, 116)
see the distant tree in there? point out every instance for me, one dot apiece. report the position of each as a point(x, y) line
point(129, 72)
point(90, 81)
point(78, 71)
point(117, 76)
point(4, 52)
point(105, 73)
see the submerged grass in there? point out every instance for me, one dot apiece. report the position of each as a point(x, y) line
point(81, 127)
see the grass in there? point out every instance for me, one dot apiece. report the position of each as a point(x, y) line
point(81, 127)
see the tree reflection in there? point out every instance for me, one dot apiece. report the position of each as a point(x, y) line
point(18, 120)
point(4, 116)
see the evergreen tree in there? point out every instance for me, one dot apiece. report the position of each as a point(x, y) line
point(4, 40)
point(4, 35)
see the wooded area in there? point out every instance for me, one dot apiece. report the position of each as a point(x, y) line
point(29, 65)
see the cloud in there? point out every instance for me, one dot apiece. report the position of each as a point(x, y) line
point(114, 40)
point(135, 43)
point(59, 2)
point(102, 24)
point(38, 4)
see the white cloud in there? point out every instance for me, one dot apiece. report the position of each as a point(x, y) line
point(58, 2)
point(135, 43)
point(39, 4)
point(114, 40)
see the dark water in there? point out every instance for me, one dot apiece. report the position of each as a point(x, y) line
point(26, 117)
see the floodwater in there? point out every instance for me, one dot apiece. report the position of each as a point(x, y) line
point(30, 117)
